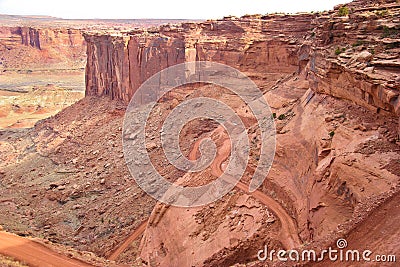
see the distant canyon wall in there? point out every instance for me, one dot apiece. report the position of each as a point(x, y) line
point(42, 38)
point(353, 57)
point(41, 48)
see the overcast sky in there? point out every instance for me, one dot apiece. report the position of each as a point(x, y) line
point(178, 9)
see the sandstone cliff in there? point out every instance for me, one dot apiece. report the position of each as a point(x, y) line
point(353, 57)
point(356, 57)
point(42, 38)
point(117, 65)
point(35, 47)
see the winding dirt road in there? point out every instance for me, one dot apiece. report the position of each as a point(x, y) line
point(34, 254)
point(289, 235)
point(138, 232)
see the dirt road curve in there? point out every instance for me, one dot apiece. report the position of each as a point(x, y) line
point(34, 254)
point(289, 236)
point(138, 231)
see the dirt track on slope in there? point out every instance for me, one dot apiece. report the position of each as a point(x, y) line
point(138, 231)
point(289, 236)
point(34, 254)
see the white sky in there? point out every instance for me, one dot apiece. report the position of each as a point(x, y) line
point(177, 9)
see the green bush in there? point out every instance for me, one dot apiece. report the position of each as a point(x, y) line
point(386, 32)
point(282, 117)
point(391, 46)
point(338, 51)
point(343, 11)
point(331, 134)
point(382, 13)
point(358, 43)
point(389, 32)
point(372, 51)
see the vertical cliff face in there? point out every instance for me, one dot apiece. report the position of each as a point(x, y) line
point(118, 65)
point(42, 38)
point(352, 57)
point(30, 36)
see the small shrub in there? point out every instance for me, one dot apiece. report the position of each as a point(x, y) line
point(358, 43)
point(282, 117)
point(386, 32)
point(274, 115)
point(372, 51)
point(389, 32)
point(331, 134)
point(391, 46)
point(338, 51)
point(382, 13)
point(343, 11)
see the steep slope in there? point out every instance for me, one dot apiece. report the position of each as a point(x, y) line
point(58, 179)
point(320, 180)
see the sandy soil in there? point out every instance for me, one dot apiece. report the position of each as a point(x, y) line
point(34, 254)
point(26, 98)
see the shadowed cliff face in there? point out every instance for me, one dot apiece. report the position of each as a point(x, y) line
point(29, 36)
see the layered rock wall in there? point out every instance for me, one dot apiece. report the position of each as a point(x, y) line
point(354, 57)
point(41, 38)
point(118, 65)
point(41, 48)
point(136, 59)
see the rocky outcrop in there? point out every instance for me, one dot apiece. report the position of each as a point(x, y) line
point(355, 57)
point(326, 47)
point(117, 65)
